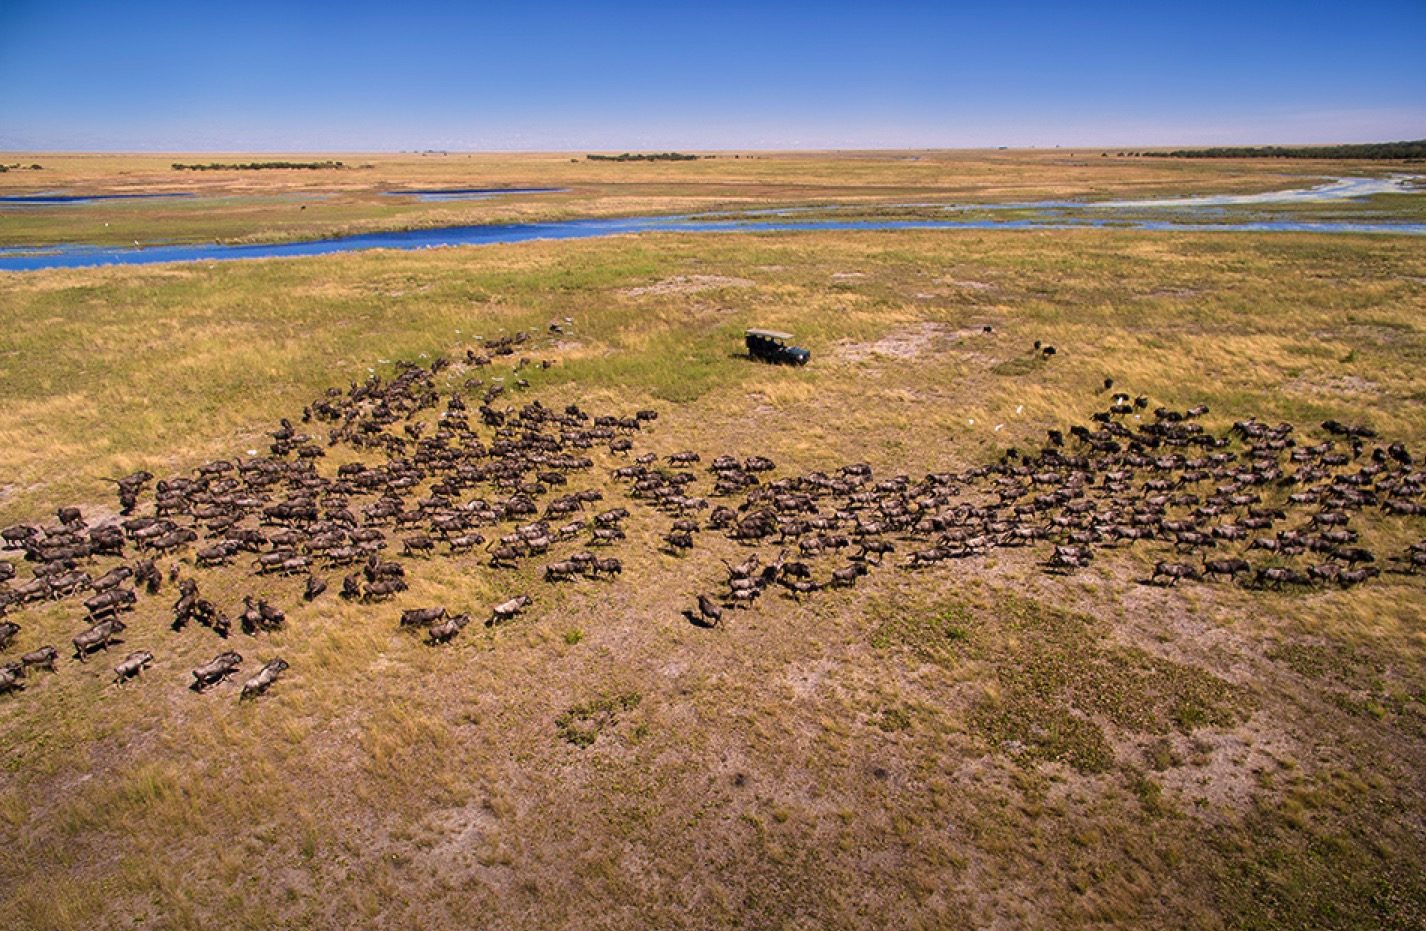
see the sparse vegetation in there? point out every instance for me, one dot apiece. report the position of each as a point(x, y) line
point(968, 743)
point(935, 636)
point(256, 166)
point(645, 157)
point(1369, 150)
point(582, 724)
point(892, 720)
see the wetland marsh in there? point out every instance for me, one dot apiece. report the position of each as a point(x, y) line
point(968, 741)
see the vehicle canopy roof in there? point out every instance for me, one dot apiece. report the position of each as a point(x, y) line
point(770, 334)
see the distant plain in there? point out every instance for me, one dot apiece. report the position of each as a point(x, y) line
point(819, 763)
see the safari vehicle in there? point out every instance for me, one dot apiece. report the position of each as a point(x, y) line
point(771, 346)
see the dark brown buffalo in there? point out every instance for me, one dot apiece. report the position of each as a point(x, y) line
point(216, 670)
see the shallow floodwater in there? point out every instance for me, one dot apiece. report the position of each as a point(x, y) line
point(1203, 205)
point(1054, 217)
point(1341, 189)
point(82, 256)
point(51, 199)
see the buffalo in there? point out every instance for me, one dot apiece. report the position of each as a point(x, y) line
point(447, 629)
point(266, 676)
point(132, 665)
point(216, 670)
point(43, 658)
point(508, 610)
point(422, 617)
point(97, 637)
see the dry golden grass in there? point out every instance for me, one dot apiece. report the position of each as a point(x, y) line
point(974, 745)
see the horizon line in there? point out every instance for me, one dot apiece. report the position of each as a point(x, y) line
point(434, 150)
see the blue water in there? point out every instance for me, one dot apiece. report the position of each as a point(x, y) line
point(85, 256)
point(470, 193)
point(50, 200)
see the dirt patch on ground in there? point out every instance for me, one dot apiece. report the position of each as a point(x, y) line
point(1216, 774)
point(15, 489)
point(1176, 292)
point(1340, 385)
point(966, 284)
point(1367, 331)
point(689, 284)
point(908, 342)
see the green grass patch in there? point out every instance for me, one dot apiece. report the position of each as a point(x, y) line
point(582, 724)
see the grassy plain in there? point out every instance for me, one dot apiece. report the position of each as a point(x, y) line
point(977, 745)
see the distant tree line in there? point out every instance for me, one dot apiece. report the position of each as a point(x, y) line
point(253, 166)
point(1415, 149)
point(647, 157)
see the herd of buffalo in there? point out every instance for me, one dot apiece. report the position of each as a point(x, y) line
point(1212, 501)
point(430, 472)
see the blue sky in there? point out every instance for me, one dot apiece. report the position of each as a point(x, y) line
point(266, 76)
